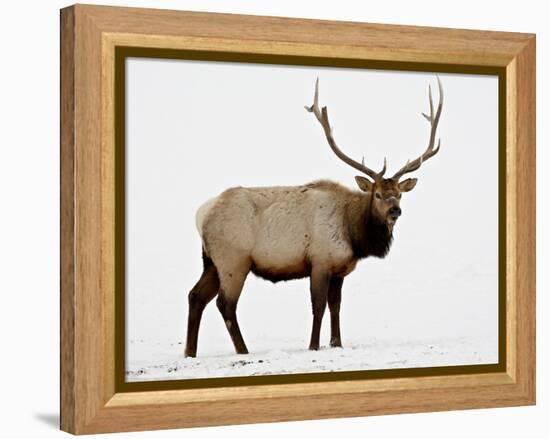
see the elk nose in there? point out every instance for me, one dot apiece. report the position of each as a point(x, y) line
point(395, 212)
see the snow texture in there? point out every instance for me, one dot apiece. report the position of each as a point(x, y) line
point(387, 354)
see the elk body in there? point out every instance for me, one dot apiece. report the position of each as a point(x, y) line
point(319, 230)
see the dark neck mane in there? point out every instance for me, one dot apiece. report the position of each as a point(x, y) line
point(368, 236)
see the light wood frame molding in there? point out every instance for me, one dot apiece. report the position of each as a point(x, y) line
point(89, 36)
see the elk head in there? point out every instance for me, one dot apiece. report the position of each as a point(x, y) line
point(385, 193)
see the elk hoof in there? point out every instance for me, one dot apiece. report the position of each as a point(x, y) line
point(335, 343)
point(189, 354)
point(313, 347)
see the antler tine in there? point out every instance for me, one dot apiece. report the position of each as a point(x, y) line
point(430, 151)
point(322, 117)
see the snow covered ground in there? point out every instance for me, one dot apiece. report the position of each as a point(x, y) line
point(169, 363)
point(386, 323)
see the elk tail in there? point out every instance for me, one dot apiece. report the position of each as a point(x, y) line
point(202, 213)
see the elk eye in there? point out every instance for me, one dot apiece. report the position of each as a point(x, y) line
point(377, 195)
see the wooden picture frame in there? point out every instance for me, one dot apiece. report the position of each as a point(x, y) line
point(91, 37)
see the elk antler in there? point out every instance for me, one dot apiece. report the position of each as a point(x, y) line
point(430, 151)
point(322, 117)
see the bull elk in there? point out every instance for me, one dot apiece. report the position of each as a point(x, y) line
point(319, 230)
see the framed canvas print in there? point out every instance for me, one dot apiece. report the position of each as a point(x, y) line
point(268, 219)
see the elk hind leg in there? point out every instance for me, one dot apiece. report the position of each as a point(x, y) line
point(319, 285)
point(334, 299)
point(231, 284)
point(202, 293)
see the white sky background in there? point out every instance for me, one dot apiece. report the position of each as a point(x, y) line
point(197, 128)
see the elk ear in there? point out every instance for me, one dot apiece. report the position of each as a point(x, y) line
point(364, 184)
point(407, 185)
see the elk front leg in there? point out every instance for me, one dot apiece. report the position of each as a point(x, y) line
point(334, 299)
point(201, 294)
point(319, 285)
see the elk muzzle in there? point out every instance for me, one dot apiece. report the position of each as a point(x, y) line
point(394, 212)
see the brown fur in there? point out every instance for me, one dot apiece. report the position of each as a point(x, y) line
point(319, 230)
